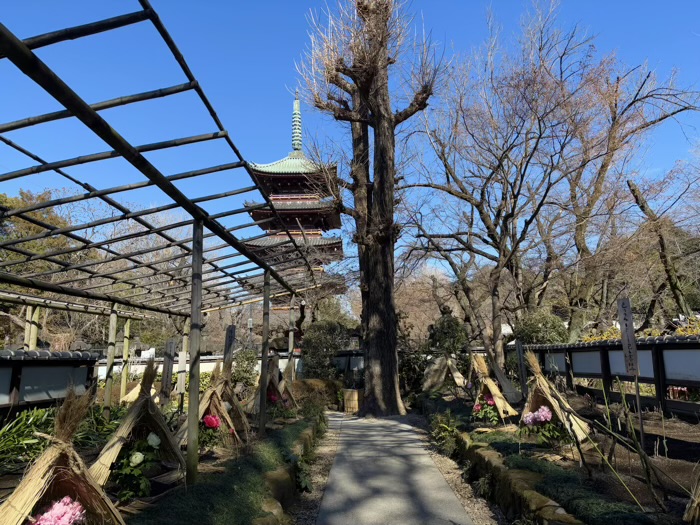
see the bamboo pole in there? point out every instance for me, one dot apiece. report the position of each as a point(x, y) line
point(111, 347)
point(36, 284)
point(291, 337)
point(194, 341)
point(31, 301)
point(126, 366)
point(263, 356)
point(182, 366)
point(34, 328)
point(28, 326)
point(99, 106)
point(104, 155)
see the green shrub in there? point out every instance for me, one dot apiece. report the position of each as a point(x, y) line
point(322, 341)
point(444, 430)
point(327, 390)
point(19, 444)
point(244, 363)
point(411, 369)
point(449, 335)
point(540, 328)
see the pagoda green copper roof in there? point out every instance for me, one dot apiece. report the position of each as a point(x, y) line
point(294, 163)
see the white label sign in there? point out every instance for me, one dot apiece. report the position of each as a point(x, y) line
point(629, 343)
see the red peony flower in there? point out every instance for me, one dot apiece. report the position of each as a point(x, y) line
point(212, 422)
point(477, 408)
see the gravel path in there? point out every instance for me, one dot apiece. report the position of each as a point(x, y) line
point(305, 511)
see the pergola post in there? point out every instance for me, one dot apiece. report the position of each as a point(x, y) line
point(291, 338)
point(126, 366)
point(263, 354)
point(194, 343)
point(34, 328)
point(27, 326)
point(111, 347)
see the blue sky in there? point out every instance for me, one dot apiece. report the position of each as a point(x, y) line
point(244, 55)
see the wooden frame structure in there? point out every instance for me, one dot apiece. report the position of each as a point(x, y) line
point(168, 274)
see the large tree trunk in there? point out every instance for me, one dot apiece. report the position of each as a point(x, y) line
point(382, 392)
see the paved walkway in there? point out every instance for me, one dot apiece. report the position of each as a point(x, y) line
point(383, 475)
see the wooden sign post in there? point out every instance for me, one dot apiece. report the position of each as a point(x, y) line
point(629, 349)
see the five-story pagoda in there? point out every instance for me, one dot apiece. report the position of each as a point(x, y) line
point(301, 193)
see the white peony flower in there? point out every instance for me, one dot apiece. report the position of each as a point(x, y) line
point(153, 440)
point(136, 459)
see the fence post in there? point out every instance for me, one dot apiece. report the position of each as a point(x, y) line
point(229, 347)
point(15, 383)
point(569, 368)
point(657, 356)
point(523, 368)
point(166, 384)
point(605, 371)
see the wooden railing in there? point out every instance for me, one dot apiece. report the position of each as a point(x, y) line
point(666, 362)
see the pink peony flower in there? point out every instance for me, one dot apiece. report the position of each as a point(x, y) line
point(544, 414)
point(212, 422)
point(63, 512)
point(529, 419)
point(477, 408)
point(490, 402)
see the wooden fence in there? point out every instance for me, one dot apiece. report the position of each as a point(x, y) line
point(665, 362)
point(36, 378)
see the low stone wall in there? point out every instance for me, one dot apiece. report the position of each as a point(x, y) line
point(282, 481)
point(511, 489)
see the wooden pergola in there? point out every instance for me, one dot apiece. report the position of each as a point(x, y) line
point(169, 273)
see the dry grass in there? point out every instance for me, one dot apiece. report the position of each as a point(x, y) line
point(60, 472)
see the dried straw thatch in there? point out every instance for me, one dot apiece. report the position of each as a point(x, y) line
point(144, 416)
point(489, 386)
point(222, 383)
point(275, 383)
point(60, 472)
point(134, 394)
point(211, 404)
point(692, 510)
point(542, 392)
point(437, 373)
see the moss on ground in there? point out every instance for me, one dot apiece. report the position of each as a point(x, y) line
point(578, 495)
point(506, 443)
point(232, 497)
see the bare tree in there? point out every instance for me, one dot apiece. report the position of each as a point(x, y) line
point(348, 72)
point(526, 147)
point(501, 143)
